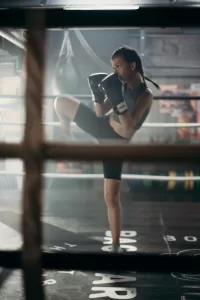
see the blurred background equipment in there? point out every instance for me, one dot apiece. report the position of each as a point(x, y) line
point(170, 57)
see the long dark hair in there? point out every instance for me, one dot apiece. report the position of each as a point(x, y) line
point(131, 55)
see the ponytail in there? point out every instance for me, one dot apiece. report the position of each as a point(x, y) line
point(144, 77)
point(153, 82)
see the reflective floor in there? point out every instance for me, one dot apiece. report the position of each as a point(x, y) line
point(76, 220)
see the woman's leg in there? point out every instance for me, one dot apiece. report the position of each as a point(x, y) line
point(66, 108)
point(69, 108)
point(112, 183)
point(114, 209)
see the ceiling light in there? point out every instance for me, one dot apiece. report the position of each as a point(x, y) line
point(101, 7)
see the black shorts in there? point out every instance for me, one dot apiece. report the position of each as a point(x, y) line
point(99, 128)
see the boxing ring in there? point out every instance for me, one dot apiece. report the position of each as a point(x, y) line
point(33, 150)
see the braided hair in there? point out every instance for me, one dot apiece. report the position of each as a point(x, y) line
point(131, 55)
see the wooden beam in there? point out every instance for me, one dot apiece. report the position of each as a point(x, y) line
point(33, 159)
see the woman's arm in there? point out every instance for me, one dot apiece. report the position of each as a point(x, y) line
point(102, 109)
point(143, 103)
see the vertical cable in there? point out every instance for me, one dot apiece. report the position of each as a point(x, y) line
point(33, 158)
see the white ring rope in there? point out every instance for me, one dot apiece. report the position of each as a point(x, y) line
point(145, 125)
point(100, 176)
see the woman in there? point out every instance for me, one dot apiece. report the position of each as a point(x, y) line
point(124, 93)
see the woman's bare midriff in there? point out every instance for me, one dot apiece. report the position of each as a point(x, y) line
point(119, 129)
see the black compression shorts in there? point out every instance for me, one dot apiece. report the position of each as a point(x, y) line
point(99, 128)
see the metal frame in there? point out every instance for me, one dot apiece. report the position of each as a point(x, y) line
point(34, 150)
point(140, 262)
point(143, 17)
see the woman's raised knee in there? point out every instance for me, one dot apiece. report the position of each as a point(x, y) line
point(60, 102)
point(66, 105)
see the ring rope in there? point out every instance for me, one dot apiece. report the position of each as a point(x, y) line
point(85, 96)
point(101, 176)
point(145, 125)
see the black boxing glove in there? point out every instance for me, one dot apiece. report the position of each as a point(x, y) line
point(112, 87)
point(93, 81)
